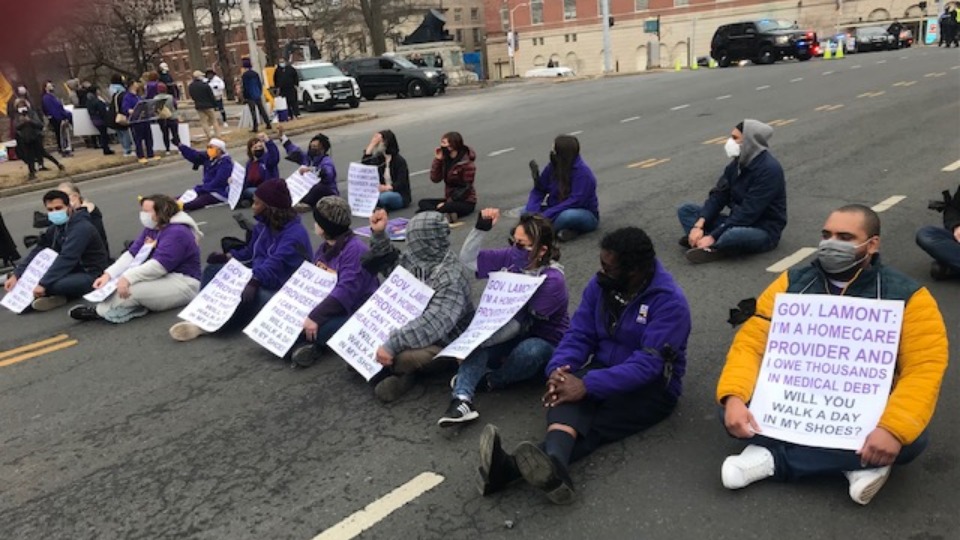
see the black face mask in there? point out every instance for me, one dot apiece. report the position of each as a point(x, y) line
point(445, 150)
point(313, 152)
point(258, 153)
point(610, 284)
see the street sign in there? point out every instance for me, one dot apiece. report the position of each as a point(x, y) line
point(651, 26)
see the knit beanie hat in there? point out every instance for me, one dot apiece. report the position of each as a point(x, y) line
point(247, 63)
point(274, 193)
point(332, 214)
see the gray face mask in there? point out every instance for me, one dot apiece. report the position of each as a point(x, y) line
point(837, 256)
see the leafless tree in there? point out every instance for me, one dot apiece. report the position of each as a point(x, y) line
point(191, 35)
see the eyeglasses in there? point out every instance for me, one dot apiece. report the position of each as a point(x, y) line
point(513, 243)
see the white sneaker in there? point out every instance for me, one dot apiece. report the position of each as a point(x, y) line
point(186, 331)
point(864, 484)
point(46, 303)
point(754, 463)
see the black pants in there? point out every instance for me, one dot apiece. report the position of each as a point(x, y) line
point(34, 154)
point(452, 207)
point(223, 111)
point(103, 141)
point(169, 128)
point(602, 422)
point(293, 106)
point(55, 128)
point(257, 105)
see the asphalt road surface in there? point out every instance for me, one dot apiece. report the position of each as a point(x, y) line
point(127, 434)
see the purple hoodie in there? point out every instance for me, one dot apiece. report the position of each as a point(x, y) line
point(322, 164)
point(53, 107)
point(176, 249)
point(216, 174)
point(354, 284)
point(630, 358)
point(275, 255)
point(583, 192)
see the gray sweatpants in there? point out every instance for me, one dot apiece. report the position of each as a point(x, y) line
point(167, 292)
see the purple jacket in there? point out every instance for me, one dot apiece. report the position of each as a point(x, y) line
point(583, 192)
point(547, 307)
point(53, 107)
point(129, 102)
point(176, 249)
point(322, 164)
point(268, 164)
point(216, 174)
point(354, 284)
point(275, 255)
point(152, 88)
point(631, 357)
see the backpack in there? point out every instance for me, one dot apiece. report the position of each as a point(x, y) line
point(115, 118)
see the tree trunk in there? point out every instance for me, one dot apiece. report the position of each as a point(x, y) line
point(226, 67)
point(191, 36)
point(373, 17)
point(271, 34)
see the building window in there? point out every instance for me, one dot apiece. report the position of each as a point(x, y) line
point(573, 38)
point(569, 9)
point(536, 12)
point(681, 3)
point(566, 38)
point(641, 5)
point(476, 36)
point(459, 35)
point(458, 15)
point(474, 14)
point(504, 18)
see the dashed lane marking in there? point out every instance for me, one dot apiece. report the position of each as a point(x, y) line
point(575, 133)
point(631, 119)
point(872, 94)
point(723, 97)
point(502, 151)
point(881, 61)
point(888, 203)
point(798, 79)
point(360, 521)
point(38, 348)
point(680, 107)
point(787, 262)
point(858, 66)
point(828, 72)
point(823, 108)
point(955, 166)
point(764, 87)
point(905, 84)
point(641, 163)
point(418, 173)
point(781, 122)
point(717, 140)
point(936, 74)
point(655, 163)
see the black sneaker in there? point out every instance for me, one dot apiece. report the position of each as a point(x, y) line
point(84, 313)
point(940, 272)
point(498, 469)
point(304, 356)
point(684, 242)
point(544, 473)
point(704, 255)
point(459, 412)
point(567, 235)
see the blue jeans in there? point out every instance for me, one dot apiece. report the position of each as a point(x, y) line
point(126, 140)
point(246, 311)
point(391, 200)
point(248, 193)
point(72, 285)
point(512, 361)
point(576, 219)
point(734, 239)
point(940, 244)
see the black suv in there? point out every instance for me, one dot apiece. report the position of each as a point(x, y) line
point(394, 75)
point(762, 42)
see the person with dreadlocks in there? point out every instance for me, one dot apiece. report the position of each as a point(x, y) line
point(566, 191)
point(616, 372)
point(316, 160)
point(522, 348)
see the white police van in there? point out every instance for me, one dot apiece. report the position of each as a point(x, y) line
point(324, 86)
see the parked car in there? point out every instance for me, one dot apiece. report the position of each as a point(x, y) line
point(324, 86)
point(874, 38)
point(762, 42)
point(549, 72)
point(394, 75)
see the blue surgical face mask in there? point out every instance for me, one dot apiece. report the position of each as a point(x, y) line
point(58, 217)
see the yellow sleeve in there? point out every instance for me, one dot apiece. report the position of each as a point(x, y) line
point(921, 362)
point(742, 368)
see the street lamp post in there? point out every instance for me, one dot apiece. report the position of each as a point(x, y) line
point(512, 40)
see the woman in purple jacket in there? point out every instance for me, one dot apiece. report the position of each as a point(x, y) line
point(217, 168)
point(316, 160)
point(142, 134)
point(566, 191)
point(339, 253)
point(263, 160)
point(521, 349)
point(165, 276)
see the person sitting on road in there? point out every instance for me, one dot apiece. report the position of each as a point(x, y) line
point(412, 348)
point(566, 191)
point(217, 168)
point(278, 246)
point(617, 371)
point(519, 351)
point(384, 152)
point(943, 243)
point(263, 160)
point(848, 263)
point(316, 160)
point(753, 187)
point(78, 202)
point(454, 164)
point(81, 256)
point(168, 279)
point(340, 253)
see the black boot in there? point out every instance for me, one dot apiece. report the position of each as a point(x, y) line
point(545, 473)
point(498, 469)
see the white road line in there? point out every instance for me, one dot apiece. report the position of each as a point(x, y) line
point(955, 67)
point(856, 67)
point(575, 133)
point(904, 57)
point(790, 260)
point(678, 107)
point(362, 520)
point(721, 98)
point(764, 87)
point(952, 167)
point(828, 73)
point(881, 61)
point(631, 119)
point(888, 203)
point(496, 153)
point(425, 171)
point(798, 79)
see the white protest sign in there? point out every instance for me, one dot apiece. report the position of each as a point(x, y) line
point(363, 189)
point(300, 184)
point(399, 300)
point(237, 177)
point(188, 196)
point(827, 369)
point(101, 294)
point(280, 322)
point(21, 295)
point(505, 294)
point(215, 304)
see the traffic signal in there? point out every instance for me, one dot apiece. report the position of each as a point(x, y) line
point(922, 5)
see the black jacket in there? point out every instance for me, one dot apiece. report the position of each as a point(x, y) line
point(286, 77)
point(951, 213)
point(202, 95)
point(29, 127)
point(79, 248)
point(399, 173)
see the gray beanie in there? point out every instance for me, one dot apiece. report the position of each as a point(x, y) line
point(332, 214)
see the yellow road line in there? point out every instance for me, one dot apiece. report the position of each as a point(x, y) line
point(655, 163)
point(38, 352)
point(788, 122)
point(31, 346)
point(716, 140)
point(835, 107)
point(641, 163)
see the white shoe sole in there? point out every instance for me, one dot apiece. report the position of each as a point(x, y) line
point(184, 331)
point(868, 492)
point(47, 303)
point(448, 421)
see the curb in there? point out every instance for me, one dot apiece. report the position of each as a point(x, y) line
point(350, 118)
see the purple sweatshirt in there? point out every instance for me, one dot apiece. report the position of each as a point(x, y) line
point(322, 164)
point(354, 284)
point(53, 107)
point(176, 249)
point(275, 255)
point(129, 103)
point(216, 173)
point(548, 306)
point(631, 357)
point(583, 192)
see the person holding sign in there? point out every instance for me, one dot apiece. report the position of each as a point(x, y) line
point(384, 153)
point(848, 264)
point(454, 164)
point(943, 243)
point(617, 371)
point(142, 134)
point(263, 160)
point(566, 192)
point(81, 255)
point(217, 168)
point(316, 160)
point(413, 347)
point(520, 350)
point(340, 253)
point(167, 279)
point(278, 246)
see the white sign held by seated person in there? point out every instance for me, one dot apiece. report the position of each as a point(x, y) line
point(363, 189)
point(101, 294)
point(237, 177)
point(400, 299)
point(21, 296)
point(215, 304)
point(827, 369)
point(504, 296)
point(280, 322)
point(301, 184)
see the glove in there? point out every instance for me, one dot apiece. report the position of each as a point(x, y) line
point(483, 224)
point(250, 291)
point(217, 258)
